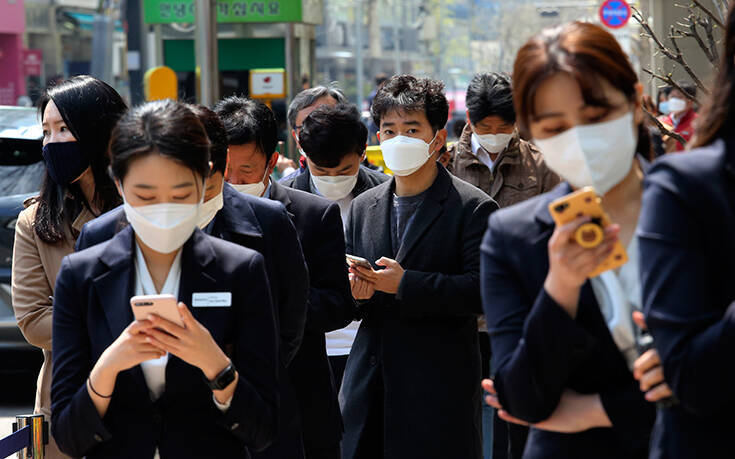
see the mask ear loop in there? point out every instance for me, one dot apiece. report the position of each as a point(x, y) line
point(432, 141)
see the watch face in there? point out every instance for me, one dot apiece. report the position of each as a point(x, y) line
point(224, 379)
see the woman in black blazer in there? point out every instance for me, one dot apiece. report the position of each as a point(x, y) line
point(564, 346)
point(150, 388)
point(687, 247)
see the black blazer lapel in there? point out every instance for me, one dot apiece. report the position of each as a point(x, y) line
point(378, 235)
point(303, 181)
point(429, 210)
point(115, 287)
point(278, 193)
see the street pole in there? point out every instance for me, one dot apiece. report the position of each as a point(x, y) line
point(397, 38)
point(358, 53)
point(102, 37)
point(134, 19)
point(205, 43)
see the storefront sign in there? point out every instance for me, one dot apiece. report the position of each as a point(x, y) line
point(168, 11)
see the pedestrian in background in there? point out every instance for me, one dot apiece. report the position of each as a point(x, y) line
point(564, 346)
point(122, 388)
point(77, 117)
point(410, 387)
point(686, 249)
point(491, 155)
point(252, 135)
point(333, 139)
point(682, 115)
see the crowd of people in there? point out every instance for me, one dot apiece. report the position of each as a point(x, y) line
point(343, 313)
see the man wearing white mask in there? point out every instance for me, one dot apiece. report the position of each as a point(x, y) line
point(490, 154)
point(420, 300)
point(252, 133)
point(333, 139)
point(682, 115)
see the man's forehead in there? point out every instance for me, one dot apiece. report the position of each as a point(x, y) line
point(303, 113)
point(396, 117)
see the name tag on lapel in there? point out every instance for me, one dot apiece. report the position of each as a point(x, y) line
point(211, 300)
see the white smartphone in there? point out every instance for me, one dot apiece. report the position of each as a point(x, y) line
point(359, 261)
point(163, 306)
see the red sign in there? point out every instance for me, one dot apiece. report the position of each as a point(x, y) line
point(615, 13)
point(32, 62)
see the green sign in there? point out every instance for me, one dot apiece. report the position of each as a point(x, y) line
point(168, 11)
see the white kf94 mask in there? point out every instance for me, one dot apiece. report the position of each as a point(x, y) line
point(405, 155)
point(599, 155)
point(334, 187)
point(163, 227)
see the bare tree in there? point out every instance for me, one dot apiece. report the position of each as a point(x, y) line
point(698, 23)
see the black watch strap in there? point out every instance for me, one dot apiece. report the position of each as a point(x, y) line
point(223, 379)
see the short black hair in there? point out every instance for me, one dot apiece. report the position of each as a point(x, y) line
point(688, 88)
point(490, 94)
point(217, 136)
point(165, 127)
point(331, 132)
point(408, 93)
point(248, 120)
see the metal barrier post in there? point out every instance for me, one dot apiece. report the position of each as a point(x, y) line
point(39, 435)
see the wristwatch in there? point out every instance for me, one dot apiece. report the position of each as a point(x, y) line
point(223, 379)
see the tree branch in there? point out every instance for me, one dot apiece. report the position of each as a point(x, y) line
point(691, 24)
point(679, 58)
point(670, 81)
point(663, 130)
point(709, 13)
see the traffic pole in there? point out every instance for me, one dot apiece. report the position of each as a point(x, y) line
point(206, 51)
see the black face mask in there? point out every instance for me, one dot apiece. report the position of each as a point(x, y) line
point(65, 162)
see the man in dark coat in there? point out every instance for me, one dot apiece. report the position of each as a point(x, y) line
point(411, 384)
point(252, 129)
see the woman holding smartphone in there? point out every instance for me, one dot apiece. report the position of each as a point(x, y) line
point(77, 117)
point(564, 345)
point(687, 251)
point(150, 388)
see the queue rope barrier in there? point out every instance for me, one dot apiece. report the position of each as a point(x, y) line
point(28, 440)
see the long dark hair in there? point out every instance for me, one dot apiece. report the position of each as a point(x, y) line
point(90, 108)
point(584, 51)
point(163, 127)
point(718, 119)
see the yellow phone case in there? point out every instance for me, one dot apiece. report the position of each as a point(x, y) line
point(585, 202)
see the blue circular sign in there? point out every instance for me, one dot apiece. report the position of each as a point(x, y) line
point(615, 13)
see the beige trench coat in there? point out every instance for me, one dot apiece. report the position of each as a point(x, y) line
point(35, 266)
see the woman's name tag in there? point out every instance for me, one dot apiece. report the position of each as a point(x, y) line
point(211, 300)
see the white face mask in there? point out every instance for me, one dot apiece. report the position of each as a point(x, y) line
point(334, 187)
point(163, 227)
point(493, 143)
point(253, 189)
point(405, 155)
point(677, 105)
point(598, 155)
point(210, 209)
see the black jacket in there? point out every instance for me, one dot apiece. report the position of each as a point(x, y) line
point(366, 179)
point(414, 371)
point(330, 307)
point(92, 308)
point(539, 350)
point(687, 246)
point(265, 226)
point(254, 223)
point(319, 425)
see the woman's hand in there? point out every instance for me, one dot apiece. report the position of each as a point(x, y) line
point(570, 264)
point(648, 370)
point(361, 288)
point(130, 349)
point(192, 343)
point(574, 413)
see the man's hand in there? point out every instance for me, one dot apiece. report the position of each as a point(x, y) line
point(385, 280)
